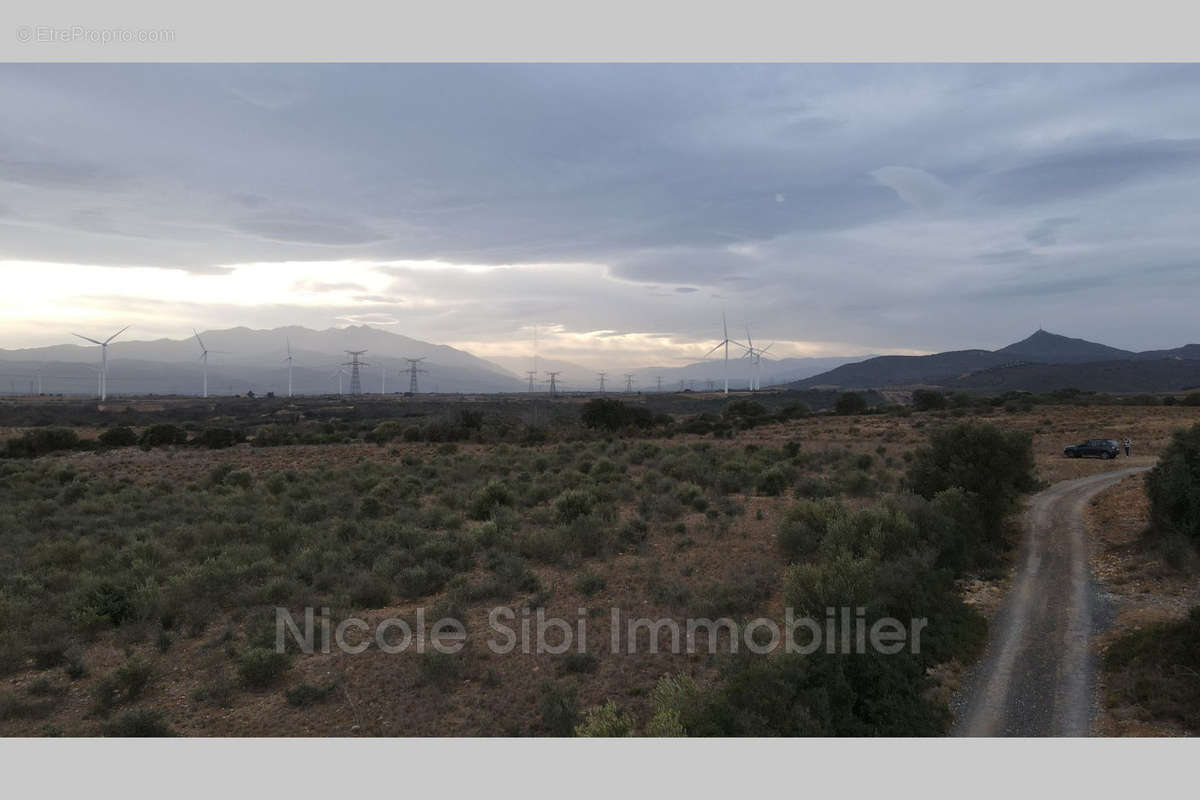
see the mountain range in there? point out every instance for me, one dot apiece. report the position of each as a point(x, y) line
point(242, 359)
point(1043, 362)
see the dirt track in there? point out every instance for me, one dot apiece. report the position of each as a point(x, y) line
point(1036, 677)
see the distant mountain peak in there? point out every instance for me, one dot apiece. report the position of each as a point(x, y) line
point(1052, 348)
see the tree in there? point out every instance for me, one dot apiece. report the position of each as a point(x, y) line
point(120, 436)
point(1173, 486)
point(744, 409)
point(849, 403)
point(608, 414)
point(928, 400)
point(992, 465)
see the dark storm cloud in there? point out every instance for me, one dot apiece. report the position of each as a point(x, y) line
point(925, 193)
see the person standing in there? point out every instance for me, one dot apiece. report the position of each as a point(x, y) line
point(1128, 446)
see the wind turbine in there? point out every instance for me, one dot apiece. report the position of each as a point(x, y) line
point(289, 363)
point(755, 356)
point(204, 351)
point(103, 375)
point(725, 343)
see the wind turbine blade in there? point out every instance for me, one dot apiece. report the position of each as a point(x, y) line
point(88, 339)
point(199, 340)
point(715, 349)
point(115, 335)
point(765, 349)
point(748, 339)
point(724, 327)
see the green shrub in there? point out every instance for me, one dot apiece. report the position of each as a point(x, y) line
point(804, 526)
point(1173, 486)
point(439, 669)
point(120, 436)
point(818, 695)
point(273, 436)
point(774, 481)
point(577, 663)
point(1154, 669)
point(573, 504)
point(306, 694)
point(217, 438)
point(606, 413)
point(14, 705)
point(125, 684)
point(928, 400)
point(162, 435)
point(744, 409)
point(261, 667)
point(106, 600)
point(607, 721)
point(493, 496)
point(40, 441)
point(588, 583)
point(421, 580)
point(142, 722)
point(842, 580)
point(850, 403)
point(559, 709)
point(241, 478)
point(992, 465)
point(370, 591)
point(386, 431)
point(674, 696)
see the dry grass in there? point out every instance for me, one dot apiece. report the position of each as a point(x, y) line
point(386, 695)
point(1140, 587)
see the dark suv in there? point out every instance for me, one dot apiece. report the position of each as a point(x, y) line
point(1099, 448)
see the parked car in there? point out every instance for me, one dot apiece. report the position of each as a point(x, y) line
point(1096, 448)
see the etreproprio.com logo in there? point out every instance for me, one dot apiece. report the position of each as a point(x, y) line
point(82, 34)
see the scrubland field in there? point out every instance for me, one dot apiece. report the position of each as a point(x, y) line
point(139, 578)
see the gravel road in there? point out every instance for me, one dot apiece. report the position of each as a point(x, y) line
point(1037, 674)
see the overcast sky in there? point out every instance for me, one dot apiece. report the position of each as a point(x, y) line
point(839, 210)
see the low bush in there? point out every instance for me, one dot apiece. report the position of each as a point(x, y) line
point(607, 720)
point(162, 435)
point(261, 667)
point(588, 583)
point(306, 694)
point(559, 709)
point(120, 436)
point(1173, 487)
point(850, 403)
point(217, 438)
point(577, 664)
point(123, 685)
point(573, 504)
point(40, 441)
point(1154, 669)
point(142, 722)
